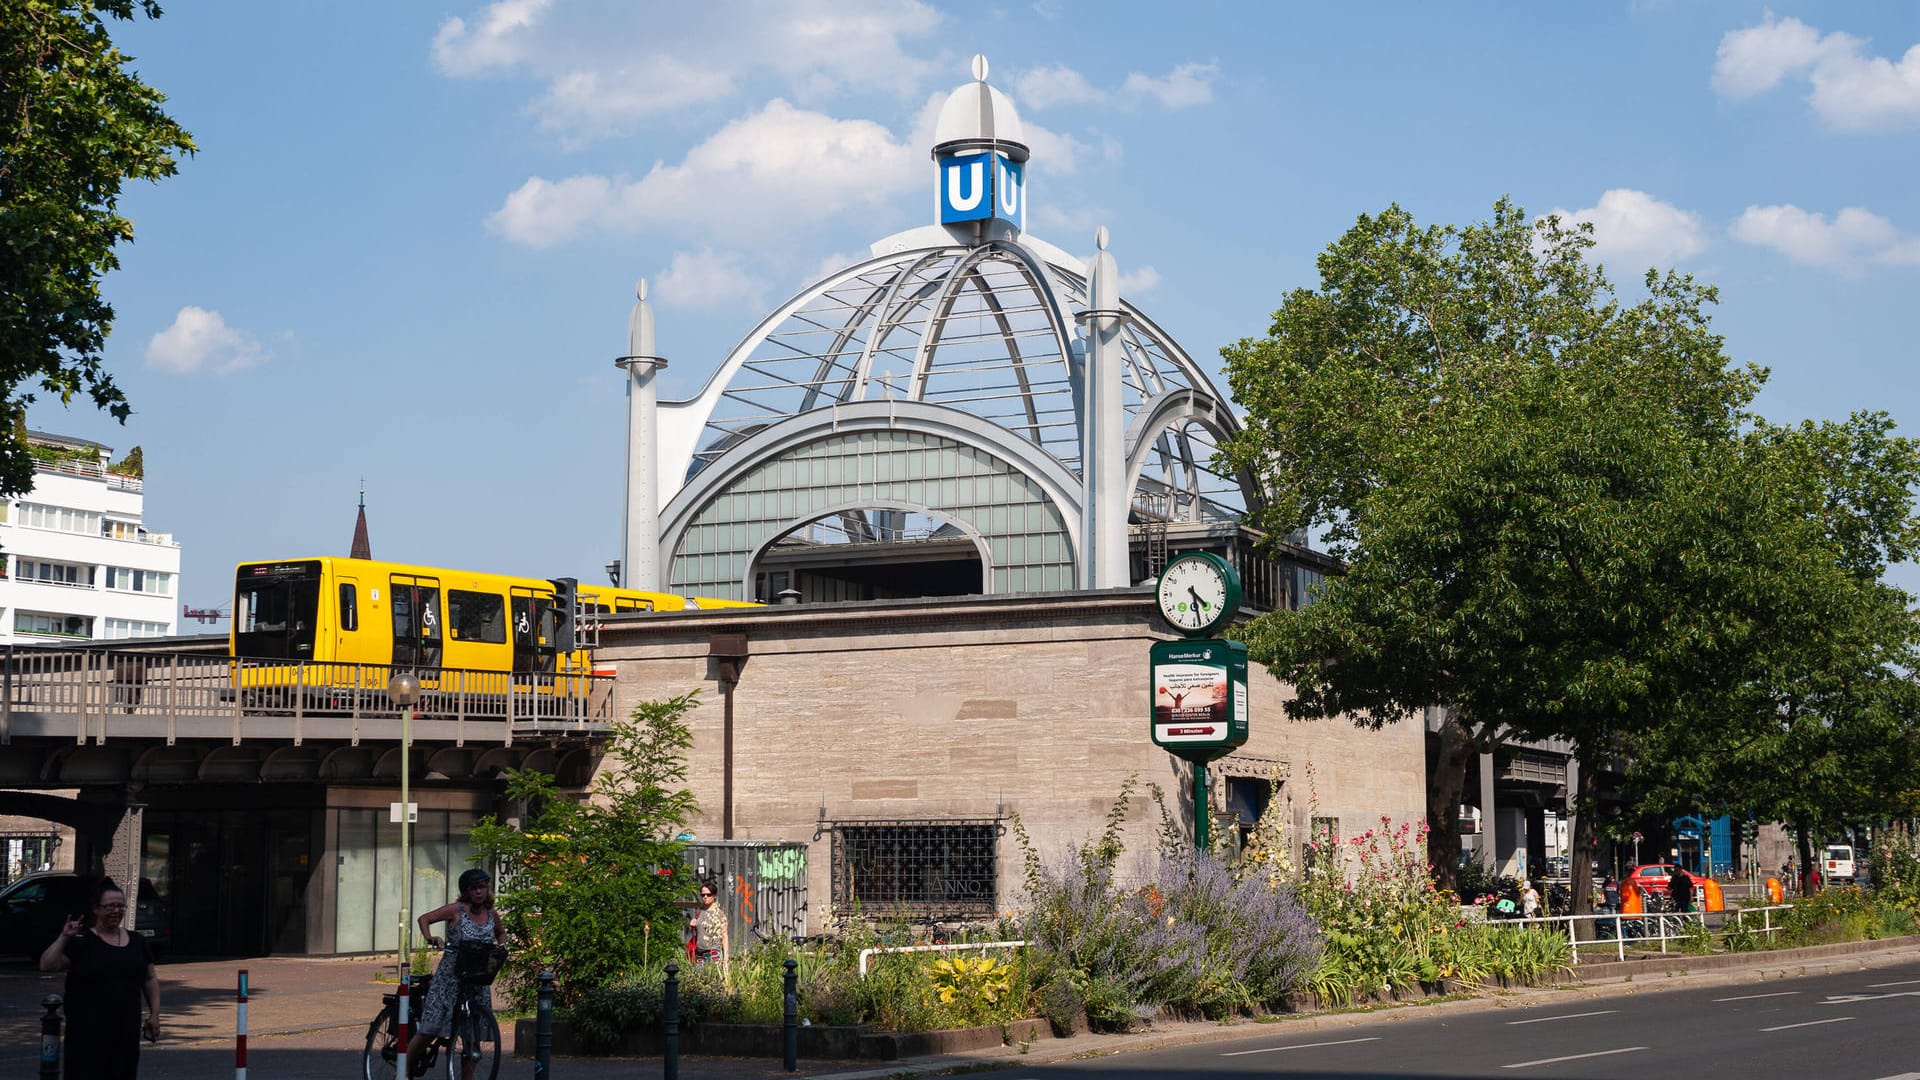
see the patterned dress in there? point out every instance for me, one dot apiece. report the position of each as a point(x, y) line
point(436, 1016)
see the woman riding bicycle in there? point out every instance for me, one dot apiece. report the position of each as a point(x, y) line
point(473, 919)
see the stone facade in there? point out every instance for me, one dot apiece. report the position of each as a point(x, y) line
point(972, 708)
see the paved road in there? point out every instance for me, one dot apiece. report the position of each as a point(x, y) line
point(1855, 1026)
point(308, 1020)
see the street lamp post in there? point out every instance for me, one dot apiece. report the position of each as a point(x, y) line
point(404, 689)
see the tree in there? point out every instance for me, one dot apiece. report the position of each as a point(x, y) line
point(1826, 731)
point(1539, 491)
point(590, 890)
point(74, 125)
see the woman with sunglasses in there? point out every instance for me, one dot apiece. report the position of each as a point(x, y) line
point(709, 926)
point(109, 971)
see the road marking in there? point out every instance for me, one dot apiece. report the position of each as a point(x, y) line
point(1906, 982)
point(1573, 1057)
point(1301, 1046)
point(1756, 997)
point(1848, 999)
point(1903, 1076)
point(1810, 1023)
point(1569, 1016)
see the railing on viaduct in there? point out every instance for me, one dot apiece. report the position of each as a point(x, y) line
point(97, 694)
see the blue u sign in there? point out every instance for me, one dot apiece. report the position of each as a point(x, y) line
point(982, 186)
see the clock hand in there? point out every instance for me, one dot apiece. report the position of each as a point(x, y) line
point(1198, 604)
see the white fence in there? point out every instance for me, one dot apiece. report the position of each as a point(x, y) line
point(1645, 929)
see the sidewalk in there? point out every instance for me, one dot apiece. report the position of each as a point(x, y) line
point(308, 1018)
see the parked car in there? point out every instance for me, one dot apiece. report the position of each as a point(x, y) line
point(1839, 863)
point(34, 909)
point(1652, 877)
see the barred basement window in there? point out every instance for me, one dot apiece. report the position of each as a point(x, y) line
point(924, 869)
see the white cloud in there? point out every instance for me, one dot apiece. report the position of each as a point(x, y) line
point(1183, 87)
point(1851, 90)
point(1134, 282)
point(546, 212)
point(586, 105)
point(609, 67)
point(708, 281)
point(1854, 238)
point(779, 166)
point(495, 43)
point(1042, 87)
point(1633, 226)
point(201, 341)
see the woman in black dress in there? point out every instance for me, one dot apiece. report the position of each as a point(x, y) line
point(109, 971)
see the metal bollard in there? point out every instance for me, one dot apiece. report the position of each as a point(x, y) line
point(543, 1028)
point(50, 1037)
point(790, 989)
point(670, 1020)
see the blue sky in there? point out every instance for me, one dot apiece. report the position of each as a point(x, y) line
point(407, 248)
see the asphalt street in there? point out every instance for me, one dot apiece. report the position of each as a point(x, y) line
point(1853, 1026)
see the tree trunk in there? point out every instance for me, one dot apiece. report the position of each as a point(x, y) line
point(1805, 847)
point(1586, 814)
point(1449, 778)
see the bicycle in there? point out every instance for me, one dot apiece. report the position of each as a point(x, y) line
point(471, 1050)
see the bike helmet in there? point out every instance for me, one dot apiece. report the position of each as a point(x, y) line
point(475, 878)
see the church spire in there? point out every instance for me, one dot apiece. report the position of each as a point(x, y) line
point(361, 548)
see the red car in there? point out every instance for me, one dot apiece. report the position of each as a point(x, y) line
point(1651, 878)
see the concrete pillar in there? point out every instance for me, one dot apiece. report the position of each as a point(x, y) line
point(110, 843)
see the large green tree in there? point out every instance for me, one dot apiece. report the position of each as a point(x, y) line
point(1542, 492)
point(75, 123)
point(1827, 729)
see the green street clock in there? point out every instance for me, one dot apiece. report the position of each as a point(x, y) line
point(1198, 593)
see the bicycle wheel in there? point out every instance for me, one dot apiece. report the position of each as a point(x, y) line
point(475, 1053)
point(383, 1047)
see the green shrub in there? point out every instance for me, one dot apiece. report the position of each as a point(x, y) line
point(582, 888)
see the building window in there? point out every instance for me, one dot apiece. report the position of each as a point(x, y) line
point(59, 519)
point(114, 629)
point(152, 582)
point(922, 868)
point(52, 573)
point(47, 624)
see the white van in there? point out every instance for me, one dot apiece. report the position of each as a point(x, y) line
point(1839, 862)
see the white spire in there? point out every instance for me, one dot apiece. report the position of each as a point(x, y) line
point(1103, 469)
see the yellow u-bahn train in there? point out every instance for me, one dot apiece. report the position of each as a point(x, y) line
point(338, 624)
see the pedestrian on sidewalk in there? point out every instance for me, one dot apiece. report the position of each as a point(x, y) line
point(709, 927)
point(109, 971)
point(1680, 890)
point(1529, 900)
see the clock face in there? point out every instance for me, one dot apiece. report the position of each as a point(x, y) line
point(1193, 593)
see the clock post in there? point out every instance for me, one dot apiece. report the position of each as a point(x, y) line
point(1198, 686)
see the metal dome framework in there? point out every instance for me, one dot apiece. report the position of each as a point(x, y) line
point(987, 336)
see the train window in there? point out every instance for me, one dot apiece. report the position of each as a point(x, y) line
point(478, 617)
point(349, 607)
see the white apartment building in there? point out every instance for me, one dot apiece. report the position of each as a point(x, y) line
point(77, 562)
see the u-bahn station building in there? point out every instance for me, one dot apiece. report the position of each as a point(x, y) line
point(951, 472)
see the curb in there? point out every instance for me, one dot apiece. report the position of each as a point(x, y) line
point(1745, 967)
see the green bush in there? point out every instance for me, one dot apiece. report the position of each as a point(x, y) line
point(582, 888)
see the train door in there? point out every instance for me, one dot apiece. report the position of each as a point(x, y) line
point(346, 620)
point(533, 631)
point(415, 604)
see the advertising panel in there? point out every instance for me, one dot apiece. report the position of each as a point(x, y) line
point(1199, 691)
